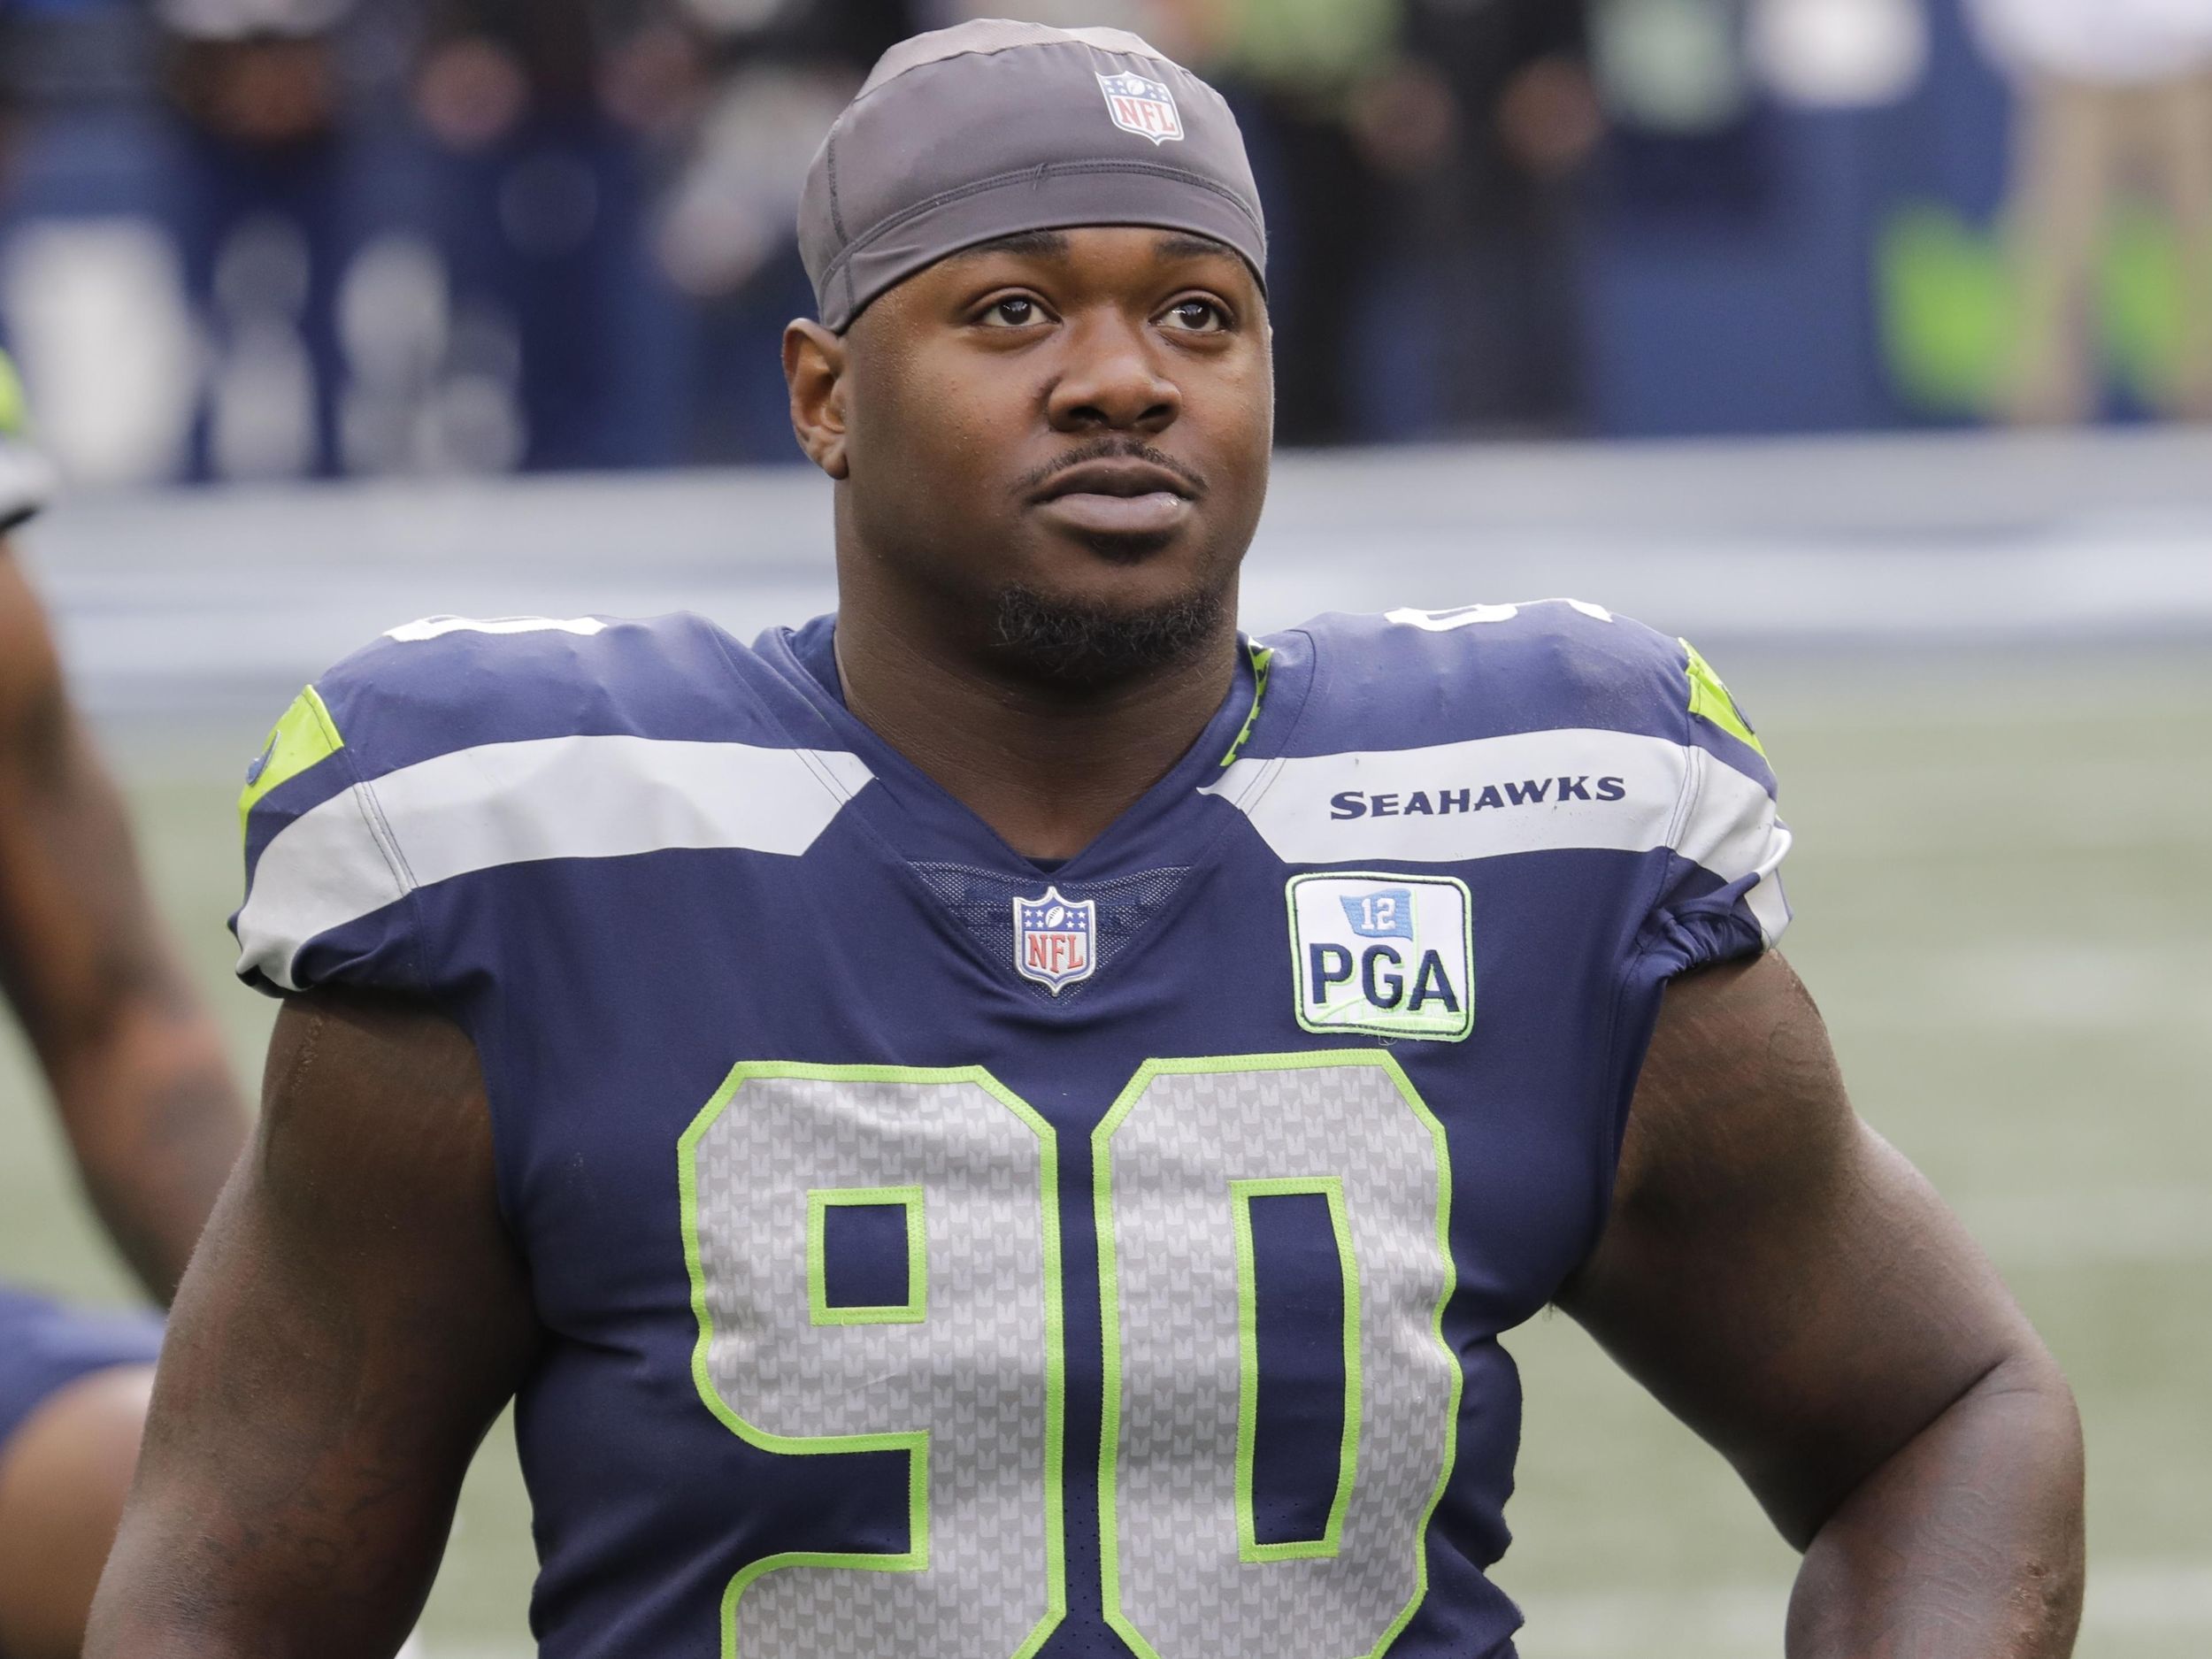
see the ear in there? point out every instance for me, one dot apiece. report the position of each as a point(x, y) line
point(814, 369)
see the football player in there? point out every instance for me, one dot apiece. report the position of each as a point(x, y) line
point(1011, 1119)
point(140, 1081)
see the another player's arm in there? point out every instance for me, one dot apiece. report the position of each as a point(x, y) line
point(135, 1060)
point(351, 1326)
point(1788, 1284)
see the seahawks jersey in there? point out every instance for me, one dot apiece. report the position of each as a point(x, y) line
point(947, 1256)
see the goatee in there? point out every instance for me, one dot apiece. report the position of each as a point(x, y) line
point(1082, 644)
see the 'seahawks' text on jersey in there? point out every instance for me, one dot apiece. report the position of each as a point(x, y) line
point(948, 1257)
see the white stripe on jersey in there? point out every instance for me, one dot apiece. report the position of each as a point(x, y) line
point(505, 803)
point(1670, 795)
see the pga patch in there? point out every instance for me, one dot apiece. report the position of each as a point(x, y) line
point(1053, 938)
point(1142, 105)
point(1389, 955)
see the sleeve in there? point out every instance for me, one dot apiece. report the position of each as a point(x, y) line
point(433, 751)
point(26, 480)
point(1720, 894)
point(328, 896)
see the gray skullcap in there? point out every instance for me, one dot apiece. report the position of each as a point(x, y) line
point(993, 129)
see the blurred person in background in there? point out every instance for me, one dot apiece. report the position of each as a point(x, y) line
point(740, 93)
point(1295, 70)
point(537, 215)
point(257, 92)
point(1485, 122)
point(143, 1091)
point(2114, 100)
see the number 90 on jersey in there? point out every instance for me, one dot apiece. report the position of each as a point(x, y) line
point(875, 1266)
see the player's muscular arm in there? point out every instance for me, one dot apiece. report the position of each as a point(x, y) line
point(134, 1061)
point(352, 1325)
point(1790, 1287)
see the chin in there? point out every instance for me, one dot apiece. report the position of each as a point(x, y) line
point(1090, 634)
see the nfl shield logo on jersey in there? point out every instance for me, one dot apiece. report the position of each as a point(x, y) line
point(1053, 938)
point(1141, 105)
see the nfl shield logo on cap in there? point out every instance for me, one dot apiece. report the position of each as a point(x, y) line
point(1142, 105)
point(1053, 938)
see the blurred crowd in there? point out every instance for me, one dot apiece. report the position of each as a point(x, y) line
point(274, 238)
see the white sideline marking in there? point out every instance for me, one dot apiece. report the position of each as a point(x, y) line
point(2164, 1598)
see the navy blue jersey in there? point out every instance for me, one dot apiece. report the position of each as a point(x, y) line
point(945, 1256)
point(46, 1345)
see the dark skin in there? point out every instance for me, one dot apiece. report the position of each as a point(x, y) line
point(360, 1320)
point(143, 1093)
point(961, 396)
point(1783, 1280)
point(134, 1061)
point(1794, 1290)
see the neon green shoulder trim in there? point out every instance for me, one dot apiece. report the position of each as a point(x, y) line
point(1709, 700)
point(15, 410)
point(306, 736)
point(1260, 657)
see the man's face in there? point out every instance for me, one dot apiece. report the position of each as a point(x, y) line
point(1079, 419)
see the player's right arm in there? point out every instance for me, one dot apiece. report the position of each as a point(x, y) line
point(354, 1321)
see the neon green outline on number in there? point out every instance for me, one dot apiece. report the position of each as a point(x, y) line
point(1109, 1309)
point(1240, 1196)
point(915, 1443)
point(820, 1201)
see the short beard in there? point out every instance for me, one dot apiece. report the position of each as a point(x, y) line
point(1081, 645)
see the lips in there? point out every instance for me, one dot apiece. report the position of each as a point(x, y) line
point(1123, 479)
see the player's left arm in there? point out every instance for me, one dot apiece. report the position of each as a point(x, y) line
point(135, 1060)
point(1791, 1288)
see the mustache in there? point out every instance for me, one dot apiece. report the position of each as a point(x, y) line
point(1109, 449)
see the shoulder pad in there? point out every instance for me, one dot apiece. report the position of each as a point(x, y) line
point(441, 684)
point(1409, 678)
point(454, 746)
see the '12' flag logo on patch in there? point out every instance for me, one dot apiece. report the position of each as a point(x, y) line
point(1053, 938)
point(1142, 105)
point(1379, 913)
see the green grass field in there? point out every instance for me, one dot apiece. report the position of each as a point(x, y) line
point(2003, 885)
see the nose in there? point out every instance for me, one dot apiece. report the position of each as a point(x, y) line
point(1112, 380)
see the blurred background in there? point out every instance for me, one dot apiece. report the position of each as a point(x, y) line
point(1858, 340)
point(260, 239)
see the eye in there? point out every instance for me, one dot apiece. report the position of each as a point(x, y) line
point(1015, 310)
point(1196, 316)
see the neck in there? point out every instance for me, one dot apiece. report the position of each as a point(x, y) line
point(1047, 767)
